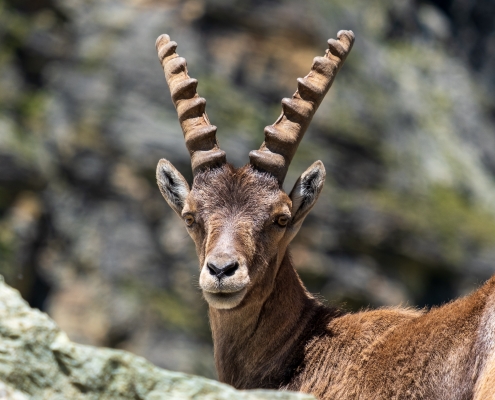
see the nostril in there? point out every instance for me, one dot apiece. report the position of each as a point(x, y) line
point(212, 269)
point(230, 269)
point(227, 270)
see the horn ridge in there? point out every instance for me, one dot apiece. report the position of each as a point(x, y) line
point(283, 137)
point(184, 90)
point(199, 133)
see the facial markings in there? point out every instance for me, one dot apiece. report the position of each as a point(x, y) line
point(241, 205)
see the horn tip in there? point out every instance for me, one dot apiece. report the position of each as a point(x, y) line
point(346, 36)
point(162, 40)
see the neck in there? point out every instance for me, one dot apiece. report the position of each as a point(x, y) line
point(260, 343)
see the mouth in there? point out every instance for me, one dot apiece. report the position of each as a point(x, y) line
point(224, 300)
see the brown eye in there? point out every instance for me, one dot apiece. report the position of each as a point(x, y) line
point(283, 220)
point(189, 220)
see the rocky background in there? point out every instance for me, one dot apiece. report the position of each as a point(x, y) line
point(407, 135)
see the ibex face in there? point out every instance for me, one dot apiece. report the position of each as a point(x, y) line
point(240, 219)
point(241, 222)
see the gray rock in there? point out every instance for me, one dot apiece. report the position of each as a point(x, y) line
point(38, 361)
point(7, 392)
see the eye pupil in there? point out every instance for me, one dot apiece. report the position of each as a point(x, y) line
point(189, 220)
point(283, 220)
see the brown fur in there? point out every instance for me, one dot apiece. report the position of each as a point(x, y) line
point(279, 336)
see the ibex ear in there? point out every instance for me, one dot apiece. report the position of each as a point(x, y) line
point(306, 191)
point(172, 184)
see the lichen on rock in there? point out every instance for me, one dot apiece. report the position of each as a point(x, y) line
point(38, 361)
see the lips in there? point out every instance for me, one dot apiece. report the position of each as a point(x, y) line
point(224, 299)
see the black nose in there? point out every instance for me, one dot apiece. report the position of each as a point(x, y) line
point(226, 270)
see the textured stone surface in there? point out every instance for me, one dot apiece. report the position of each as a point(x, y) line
point(7, 392)
point(38, 361)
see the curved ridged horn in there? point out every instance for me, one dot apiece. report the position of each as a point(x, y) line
point(199, 134)
point(283, 137)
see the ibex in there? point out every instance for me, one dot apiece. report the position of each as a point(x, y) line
point(268, 331)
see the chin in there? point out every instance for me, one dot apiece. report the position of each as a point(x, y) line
point(224, 300)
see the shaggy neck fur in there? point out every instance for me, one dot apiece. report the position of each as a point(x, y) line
point(261, 343)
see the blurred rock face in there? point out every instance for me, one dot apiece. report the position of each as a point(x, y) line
point(406, 135)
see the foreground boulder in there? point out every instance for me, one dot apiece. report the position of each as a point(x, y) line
point(38, 361)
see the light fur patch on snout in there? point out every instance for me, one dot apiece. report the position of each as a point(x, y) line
point(226, 292)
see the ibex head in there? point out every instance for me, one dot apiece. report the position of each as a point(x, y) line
point(241, 220)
